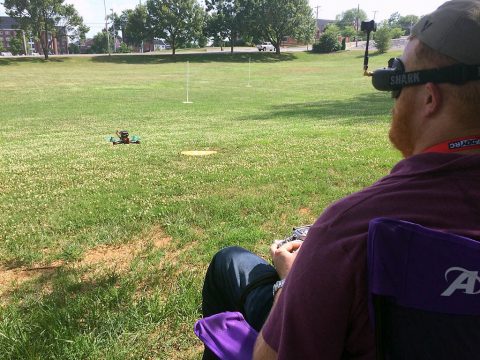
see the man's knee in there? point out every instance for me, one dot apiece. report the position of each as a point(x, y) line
point(224, 258)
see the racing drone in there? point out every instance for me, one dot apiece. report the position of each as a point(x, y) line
point(123, 138)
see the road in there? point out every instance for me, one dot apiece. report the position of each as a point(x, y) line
point(397, 44)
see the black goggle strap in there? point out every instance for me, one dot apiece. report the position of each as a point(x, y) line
point(395, 78)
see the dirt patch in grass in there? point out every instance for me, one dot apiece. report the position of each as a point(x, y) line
point(304, 211)
point(100, 258)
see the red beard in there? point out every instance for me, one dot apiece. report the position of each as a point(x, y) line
point(401, 131)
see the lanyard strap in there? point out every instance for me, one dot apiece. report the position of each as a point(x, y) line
point(455, 145)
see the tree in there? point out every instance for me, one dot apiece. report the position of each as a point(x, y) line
point(273, 20)
point(328, 42)
point(177, 21)
point(393, 20)
point(348, 31)
point(136, 29)
point(407, 22)
point(305, 33)
point(123, 48)
point(383, 38)
point(397, 32)
point(224, 22)
point(100, 42)
point(214, 28)
point(73, 48)
point(122, 22)
point(115, 27)
point(352, 17)
point(43, 17)
point(16, 44)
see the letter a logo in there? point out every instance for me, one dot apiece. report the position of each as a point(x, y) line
point(465, 281)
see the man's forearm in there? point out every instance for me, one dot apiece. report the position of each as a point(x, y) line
point(263, 351)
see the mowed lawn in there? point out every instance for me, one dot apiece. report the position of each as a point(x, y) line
point(103, 248)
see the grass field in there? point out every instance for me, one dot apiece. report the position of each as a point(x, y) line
point(103, 248)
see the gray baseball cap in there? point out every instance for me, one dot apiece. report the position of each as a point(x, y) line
point(453, 30)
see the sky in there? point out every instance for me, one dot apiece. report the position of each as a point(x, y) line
point(93, 11)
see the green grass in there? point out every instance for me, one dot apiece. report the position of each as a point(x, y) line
point(308, 131)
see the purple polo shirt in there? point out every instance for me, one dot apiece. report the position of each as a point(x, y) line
point(322, 311)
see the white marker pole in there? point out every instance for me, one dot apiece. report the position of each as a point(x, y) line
point(188, 82)
point(249, 60)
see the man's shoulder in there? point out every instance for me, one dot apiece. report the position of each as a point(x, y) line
point(430, 173)
point(408, 192)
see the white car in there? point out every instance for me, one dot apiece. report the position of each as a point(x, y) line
point(265, 46)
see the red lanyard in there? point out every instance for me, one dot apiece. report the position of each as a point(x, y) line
point(455, 145)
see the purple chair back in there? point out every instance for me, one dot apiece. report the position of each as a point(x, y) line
point(227, 335)
point(424, 289)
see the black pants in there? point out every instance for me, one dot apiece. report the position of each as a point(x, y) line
point(238, 280)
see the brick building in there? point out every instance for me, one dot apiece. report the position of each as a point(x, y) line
point(9, 28)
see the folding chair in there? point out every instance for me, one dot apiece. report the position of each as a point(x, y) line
point(424, 289)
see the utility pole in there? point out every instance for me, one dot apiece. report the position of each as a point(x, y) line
point(317, 7)
point(356, 25)
point(374, 14)
point(106, 28)
point(114, 35)
point(140, 2)
point(316, 23)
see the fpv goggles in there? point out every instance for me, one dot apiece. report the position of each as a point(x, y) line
point(394, 78)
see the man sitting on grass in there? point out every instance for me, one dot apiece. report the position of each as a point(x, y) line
point(321, 312)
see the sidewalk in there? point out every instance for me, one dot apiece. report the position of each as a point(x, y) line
point(397, 44)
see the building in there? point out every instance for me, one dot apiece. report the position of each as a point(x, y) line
point(321, 25)
point(160, 44)
point(9, 28)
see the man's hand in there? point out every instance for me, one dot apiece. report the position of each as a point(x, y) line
point(284, 256)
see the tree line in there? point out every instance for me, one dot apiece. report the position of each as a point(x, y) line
point(182, 23)
point(347, 25)
point(185, 23)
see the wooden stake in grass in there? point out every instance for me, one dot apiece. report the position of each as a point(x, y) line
point(188, 82)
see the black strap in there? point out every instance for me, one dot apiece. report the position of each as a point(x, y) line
point(454, 74)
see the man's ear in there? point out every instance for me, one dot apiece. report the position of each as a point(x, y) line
point(433, 99)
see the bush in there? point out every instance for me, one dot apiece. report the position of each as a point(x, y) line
point(73, 49)
point(328, 43)
point(16, 45)
point(202, 41)
point(383, 39)
point(123, 48)
point(349, 31)
point(397, 33)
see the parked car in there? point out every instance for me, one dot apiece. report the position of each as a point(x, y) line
point(6, 53)
point(265, 46)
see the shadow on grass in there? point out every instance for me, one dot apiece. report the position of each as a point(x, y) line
point(365, 108)
point(32, 60)
point(194, 58)
point(371, 54)
point(68, 315)
point(69, 310)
